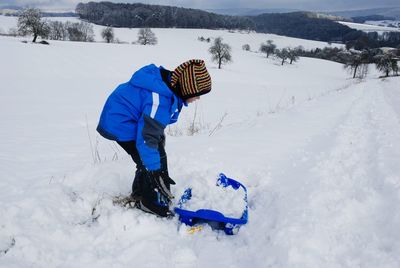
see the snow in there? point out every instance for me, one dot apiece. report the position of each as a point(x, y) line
point(385, 23)
point(317, 151)
point(7, 22)
point(369, 27)
point(226, 200)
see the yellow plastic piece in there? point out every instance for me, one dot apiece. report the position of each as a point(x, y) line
point(195, 229)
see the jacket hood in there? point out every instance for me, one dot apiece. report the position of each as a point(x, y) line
point(149, 77)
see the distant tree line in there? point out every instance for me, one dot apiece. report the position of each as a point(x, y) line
point(341, 55)
point(335, 54)
point(142, 15)
point(303, 25)
point(362, 19)
point(284, 54)
point(355, 61)
point(361, 40)
point(44, 14)
point(59, 14)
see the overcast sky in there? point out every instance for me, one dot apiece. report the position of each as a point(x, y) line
point(321, 5)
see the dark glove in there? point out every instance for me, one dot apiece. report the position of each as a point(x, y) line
point(160, 182)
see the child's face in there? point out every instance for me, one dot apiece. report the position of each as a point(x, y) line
point(190, 100)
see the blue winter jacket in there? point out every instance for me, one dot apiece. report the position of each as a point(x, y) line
point(139, 110)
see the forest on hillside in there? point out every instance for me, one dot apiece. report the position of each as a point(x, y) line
point(303, 25)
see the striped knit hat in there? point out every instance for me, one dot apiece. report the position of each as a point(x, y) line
point(191, 79)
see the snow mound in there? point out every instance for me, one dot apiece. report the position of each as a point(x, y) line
point(226, 200)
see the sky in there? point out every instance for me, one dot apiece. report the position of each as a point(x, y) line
point(222, 4)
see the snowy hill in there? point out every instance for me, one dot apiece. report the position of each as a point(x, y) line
point(317, 151)
point(369, 27)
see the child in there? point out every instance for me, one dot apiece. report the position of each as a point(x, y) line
point(135, 116)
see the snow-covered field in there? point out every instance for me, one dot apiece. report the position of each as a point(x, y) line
point(317, 151)
point(369, 27)
point(385, 23)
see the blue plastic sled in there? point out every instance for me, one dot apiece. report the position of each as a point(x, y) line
point(214, 218)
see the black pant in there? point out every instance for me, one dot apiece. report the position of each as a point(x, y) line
point(140, 175)
point(130, 148)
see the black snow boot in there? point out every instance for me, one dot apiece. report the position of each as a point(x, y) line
point(137, 185)
point(153, 200)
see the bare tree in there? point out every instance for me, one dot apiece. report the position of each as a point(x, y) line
point(268, 48)
point(30, 22)
point(282, 54)
point(221, 52)
point(146, 37)
point(386, 63)
point(395, 67)
point(13, 31)
point(246, 47)
point(108, 34)
point(87, 30)
point(293, 55)
point(357, 64)
point(82, 31)
point(58, 30)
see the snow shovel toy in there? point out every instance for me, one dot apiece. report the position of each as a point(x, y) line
point(215, 219)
